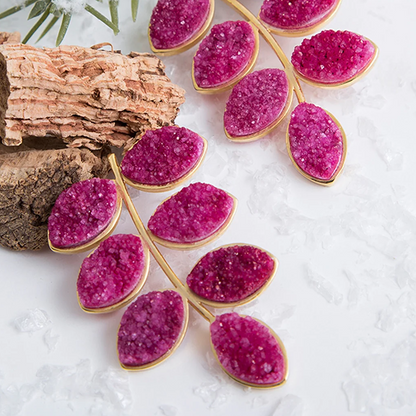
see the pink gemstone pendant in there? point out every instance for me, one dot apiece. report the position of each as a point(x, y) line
point(177, 25)
point(334, 59)
point(257, 104)
point(297, 17)
point(196, 215)
point(225, 56)
point(164, 158)
point(113, 275)
point(316, 143)
point(249, 351)
point(232, 275)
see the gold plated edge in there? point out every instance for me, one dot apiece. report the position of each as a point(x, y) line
point(175, 345)
point(342, 84)
point(171, 185)
point(249, 298)
point(247, 69)
point(200, 243)
point(189, 43)
point(260, 386)
point(293, 33)
point(97, 240)
point(331, 180)
point(130, 297)
point(268, 129)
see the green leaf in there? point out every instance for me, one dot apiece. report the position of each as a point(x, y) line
point(114, 12)
point(39, 7)
point(15, 9)
point(101, 17)
point(63, 29)
point(134, 9)
point(51, 24)
point(37, 25)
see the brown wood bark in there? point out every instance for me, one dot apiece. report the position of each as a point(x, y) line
point(31, 180)
point(84, 96)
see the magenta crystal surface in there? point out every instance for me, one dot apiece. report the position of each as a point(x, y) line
point(82, 212)
point(150, 327)
point(315, 141)
point(224, 54)
point(256, 102)
point(295, 14)
point(230, 274)
point(111, 272)
point(248, 350)
point(162, 156)
point(332, 57)
point(175, 22)
point(191, 215)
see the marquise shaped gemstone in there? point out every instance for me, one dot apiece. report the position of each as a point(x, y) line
point(296, 14)
point(195, 213)
point(333, 57)
point(150, 328)
point(315, 142)
point(82, 212)
point(224, 54)
point(248, 350)
point(256, 102)
point(231, 274)
point(176, 22)
point(111, 272)
point(163, 156)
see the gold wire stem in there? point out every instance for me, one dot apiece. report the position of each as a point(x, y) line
point(268, 37)
point(183, 290)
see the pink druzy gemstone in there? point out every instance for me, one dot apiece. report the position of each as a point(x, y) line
point(82, 212)
point(295, 14)
point(256, 102)
point(150, 327)
point(230, 274)
point(316, 141)
point(175, 22)
point(162, 156)
point(191, 215)
point(333, 57)
point(248, 350)
point(224, 54)
point(111, 272)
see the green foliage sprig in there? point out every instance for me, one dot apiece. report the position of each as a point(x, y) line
point(43, 9)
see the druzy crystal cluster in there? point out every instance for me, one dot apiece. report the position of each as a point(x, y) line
point(224, 54)
point(332, 56)
point(82, 212)
point(111, 272)
point(174, 22)
point(256, 102)
point(162, 156)
point(231, 274)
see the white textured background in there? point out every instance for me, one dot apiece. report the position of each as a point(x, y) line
point(343, 300)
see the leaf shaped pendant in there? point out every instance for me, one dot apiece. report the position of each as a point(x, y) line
point(83, 215)
point(297, 17)
point(177, 25)
point(334, 59)
point(232, 275)
point(249, 351)
point(257, 104)
point(151, 329)
point(225, 56)
point(112, 275)
point(196, 215)
point(316, 143)
point(162, 159)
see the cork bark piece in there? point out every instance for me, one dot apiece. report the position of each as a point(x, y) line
point(30, 181)
point(84, 96)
